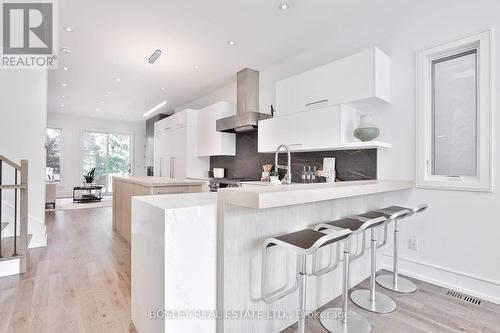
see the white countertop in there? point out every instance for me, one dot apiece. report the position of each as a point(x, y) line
point(260, 197)
point(184, 200)
point(160, 181)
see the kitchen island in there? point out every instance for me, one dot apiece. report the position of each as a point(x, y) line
point(244, 217)
point(174, 251)
point(248, 215)
point(125, 187)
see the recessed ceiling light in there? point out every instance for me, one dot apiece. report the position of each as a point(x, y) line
point(196, 66)
point(68, 29)
point(231, 42)
point(65, 68)
point(63, 96)
point(108, 92)
point(102, 102)
point(66, 50)
point(284, 6)
point(159, 106)
point(64, 85)
point(118, 79)
point(163, 88)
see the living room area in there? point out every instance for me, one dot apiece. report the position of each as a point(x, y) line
point(84, 153)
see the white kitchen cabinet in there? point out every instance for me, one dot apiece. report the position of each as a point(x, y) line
point(359, 80)
point(211, 142)
point(175, 148)
point(320, 129)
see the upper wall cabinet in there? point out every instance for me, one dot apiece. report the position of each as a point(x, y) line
point(358, 80)
point(211, 142)
point(177, 120)
point(175, 147)
point(322, 129)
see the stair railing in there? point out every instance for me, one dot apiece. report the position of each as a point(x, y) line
point(20, 208)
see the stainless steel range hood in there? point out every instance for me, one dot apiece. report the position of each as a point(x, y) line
point(247, 114)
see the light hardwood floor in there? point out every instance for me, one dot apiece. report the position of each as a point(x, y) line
point(80, 282)
point(429, 310)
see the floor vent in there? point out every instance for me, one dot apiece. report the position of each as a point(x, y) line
point(463, 297)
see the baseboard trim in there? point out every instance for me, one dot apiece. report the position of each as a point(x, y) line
point(9, 267)
point(41, 243)
point(483, 288)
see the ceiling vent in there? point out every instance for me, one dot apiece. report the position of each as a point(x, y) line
point(156, 54)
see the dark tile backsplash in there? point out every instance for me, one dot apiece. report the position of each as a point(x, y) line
point(350, 164)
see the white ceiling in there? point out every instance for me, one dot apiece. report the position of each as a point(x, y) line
point(114, 38)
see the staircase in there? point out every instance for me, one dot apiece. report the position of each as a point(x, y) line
point(14, 247)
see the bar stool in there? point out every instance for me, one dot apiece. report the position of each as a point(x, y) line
point(341, 319)
point(393, 281)
point(372, 300)
point(303, 243)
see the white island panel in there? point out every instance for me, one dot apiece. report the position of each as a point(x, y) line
point(173, 262)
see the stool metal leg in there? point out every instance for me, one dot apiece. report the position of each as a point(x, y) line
point(302, 296)
point(372, 300)
point(394, 282)
point(341, 320)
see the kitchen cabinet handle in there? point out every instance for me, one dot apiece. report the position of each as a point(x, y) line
point(161, 164)
point(172, 167)
point(317, 102)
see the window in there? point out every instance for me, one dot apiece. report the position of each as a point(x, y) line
point(454, 116)
point(109, 154)
point(53, 154)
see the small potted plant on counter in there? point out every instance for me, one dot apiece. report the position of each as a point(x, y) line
point(274, 178)
point(89, 178)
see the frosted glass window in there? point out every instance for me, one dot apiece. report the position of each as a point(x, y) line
point(454, 115)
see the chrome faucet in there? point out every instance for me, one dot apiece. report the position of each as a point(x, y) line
point(288, 177)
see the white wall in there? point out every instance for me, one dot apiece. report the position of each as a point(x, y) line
point(226, 93)
point(458, 235)
point(71, 146)
point(23, 117)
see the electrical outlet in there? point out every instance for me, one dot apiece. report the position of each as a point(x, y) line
point(413, 244)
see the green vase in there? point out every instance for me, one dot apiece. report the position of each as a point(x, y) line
point(366, 131)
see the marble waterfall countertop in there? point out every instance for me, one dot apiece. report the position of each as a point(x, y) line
point(174, 261)
point(182, 200)
point(261, 197)
point(160, 181)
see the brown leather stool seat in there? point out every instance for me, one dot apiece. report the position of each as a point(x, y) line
point(304, 240)
point(345, 223)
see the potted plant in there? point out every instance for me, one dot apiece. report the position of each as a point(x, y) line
point(89, 177)
point(274, 177)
